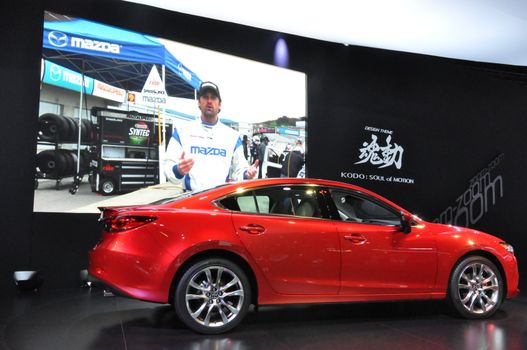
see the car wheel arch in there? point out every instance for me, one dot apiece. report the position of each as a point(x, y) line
point(216, 253)
point(489, 256)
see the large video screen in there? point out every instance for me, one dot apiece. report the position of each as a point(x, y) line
point(111, 98)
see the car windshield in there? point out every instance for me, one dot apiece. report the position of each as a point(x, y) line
point(184, 195)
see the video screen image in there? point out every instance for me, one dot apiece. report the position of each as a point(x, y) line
point(110, 99)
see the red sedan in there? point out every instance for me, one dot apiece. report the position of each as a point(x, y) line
point(283, 241)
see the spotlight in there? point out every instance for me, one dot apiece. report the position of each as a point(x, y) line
point(281, 53)
point(27, 280)
point(87, 280)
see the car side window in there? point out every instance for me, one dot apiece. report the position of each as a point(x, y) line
point(247, 203)
point(355, 208)
point(304, 201)
point(253, 204)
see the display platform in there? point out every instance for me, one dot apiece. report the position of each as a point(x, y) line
point(83, 318)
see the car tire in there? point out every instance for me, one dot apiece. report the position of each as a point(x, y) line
point(107, 186)
point(72, 130)
point(54, 128)
point(212, 296)
point(476, 288)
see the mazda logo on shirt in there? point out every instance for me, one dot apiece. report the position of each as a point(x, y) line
point(58, 39)
point(208, 151)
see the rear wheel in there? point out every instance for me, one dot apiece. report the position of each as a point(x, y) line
point(475, 288)
point(212, 296)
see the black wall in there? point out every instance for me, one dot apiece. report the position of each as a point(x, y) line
point(452, 117)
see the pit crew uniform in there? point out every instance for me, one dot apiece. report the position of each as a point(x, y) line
point(217, 152)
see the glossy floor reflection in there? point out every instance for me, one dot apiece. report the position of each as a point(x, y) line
point(85, 319)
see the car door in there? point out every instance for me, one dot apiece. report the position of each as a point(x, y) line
point(377, 258)
point(290, 236)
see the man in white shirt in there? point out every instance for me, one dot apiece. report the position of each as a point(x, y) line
point(207, 153)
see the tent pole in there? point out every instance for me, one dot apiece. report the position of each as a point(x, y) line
point(165, 87)
point(79, 121)
point(161, 146)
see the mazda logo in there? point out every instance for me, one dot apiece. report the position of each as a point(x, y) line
point(58, 39)
point(55, 73)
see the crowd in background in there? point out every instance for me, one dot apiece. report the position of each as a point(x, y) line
point(292, 158)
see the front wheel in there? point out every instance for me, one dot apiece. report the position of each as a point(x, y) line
point(212, 296)
point(475, 288)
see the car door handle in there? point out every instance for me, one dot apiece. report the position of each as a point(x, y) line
point(355, 238)
point(253, 229)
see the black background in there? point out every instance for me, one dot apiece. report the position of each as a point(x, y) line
point(452, 117)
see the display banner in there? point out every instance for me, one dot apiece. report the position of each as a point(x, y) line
point(135, 130)
point(380, 149)
point(154, 89)
point(286, 131)
point(66, 78)
point(108, 92)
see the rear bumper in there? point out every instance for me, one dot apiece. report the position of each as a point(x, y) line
point(132, 264)
point(106, 287)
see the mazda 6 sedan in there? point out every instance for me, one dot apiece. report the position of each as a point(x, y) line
point(213, 253)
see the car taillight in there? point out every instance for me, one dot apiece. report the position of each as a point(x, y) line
point(123, 223)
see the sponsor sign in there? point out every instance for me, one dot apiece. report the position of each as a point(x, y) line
point(65, 78)
point(154, 89)
point(286, 131)
point(267, 130)
point(184, 73)
point(108, 92)
point(130, 132)
point(65, 41)
point(139, 134)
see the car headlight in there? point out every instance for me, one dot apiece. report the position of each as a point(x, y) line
point(507, 247)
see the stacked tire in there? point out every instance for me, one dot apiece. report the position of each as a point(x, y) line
point(59, 163)
point(57, 128)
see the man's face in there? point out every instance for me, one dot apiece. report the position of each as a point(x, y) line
point(209, 105)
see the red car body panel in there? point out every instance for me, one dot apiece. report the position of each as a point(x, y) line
point(292, 259)
point(367, 250)
point(296, 255)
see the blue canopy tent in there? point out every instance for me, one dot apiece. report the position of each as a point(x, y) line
point(118, 57)
point(115, 56)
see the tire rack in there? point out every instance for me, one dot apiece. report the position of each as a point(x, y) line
point(56, 130)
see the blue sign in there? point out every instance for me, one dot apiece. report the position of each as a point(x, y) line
point(98, 40)
point(285, 131)
point(65, 78)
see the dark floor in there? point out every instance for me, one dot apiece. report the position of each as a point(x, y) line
point(83, 318)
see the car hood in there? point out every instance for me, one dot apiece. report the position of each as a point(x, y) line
point(464, 232)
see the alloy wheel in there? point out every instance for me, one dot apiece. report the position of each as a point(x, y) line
point(214, 296)
point(478, 288)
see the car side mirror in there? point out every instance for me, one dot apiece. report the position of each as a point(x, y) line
point(406, 223)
